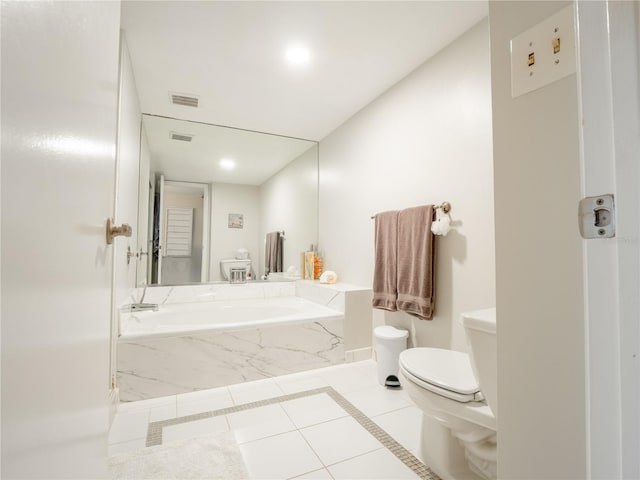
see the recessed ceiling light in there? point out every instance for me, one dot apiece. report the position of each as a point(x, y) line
point(227, 164)
point(298, 55)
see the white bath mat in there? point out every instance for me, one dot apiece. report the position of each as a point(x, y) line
point(207, 457)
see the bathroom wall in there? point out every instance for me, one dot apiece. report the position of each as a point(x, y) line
point(179, 270)
point(289, 203)
point(230, 198)
point(425, 140)
point(539, 283)
point(127, 175)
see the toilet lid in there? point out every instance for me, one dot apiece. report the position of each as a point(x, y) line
point(446, 370)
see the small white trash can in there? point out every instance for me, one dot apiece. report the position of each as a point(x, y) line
point(390, 341)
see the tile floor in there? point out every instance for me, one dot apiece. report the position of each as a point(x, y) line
point(331, 423)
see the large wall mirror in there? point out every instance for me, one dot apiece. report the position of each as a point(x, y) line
point(210, 193)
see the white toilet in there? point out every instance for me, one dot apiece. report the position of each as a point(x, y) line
point(457, 394)
point(226, 266)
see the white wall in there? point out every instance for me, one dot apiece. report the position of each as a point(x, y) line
point(127, 177)
point(426, 140)
point(289, 203)
point(229, 198)
point(59, 109)
point(539, 290)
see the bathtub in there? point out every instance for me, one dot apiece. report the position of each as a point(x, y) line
point(193, 346)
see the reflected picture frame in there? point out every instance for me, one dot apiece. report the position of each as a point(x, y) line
point(236, 220)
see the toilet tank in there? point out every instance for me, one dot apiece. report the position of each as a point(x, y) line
point(227, 265)
point(480, 328)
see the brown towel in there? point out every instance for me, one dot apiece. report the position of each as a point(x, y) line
point(385, 292)
point(416, 254)
point(273, 253)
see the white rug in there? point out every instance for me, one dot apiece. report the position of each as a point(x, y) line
point(207, 457)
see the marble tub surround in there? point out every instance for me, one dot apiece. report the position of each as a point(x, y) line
point(355, 302)
point(201, 354)
point(158, 367)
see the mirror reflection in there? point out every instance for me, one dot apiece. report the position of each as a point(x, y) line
point(218, 203)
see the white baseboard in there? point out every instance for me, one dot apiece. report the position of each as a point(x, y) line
point(358, 355)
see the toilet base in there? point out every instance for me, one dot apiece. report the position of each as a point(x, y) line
point(442, 453)
point(453, 447)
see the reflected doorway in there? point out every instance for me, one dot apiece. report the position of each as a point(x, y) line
point(180, 246)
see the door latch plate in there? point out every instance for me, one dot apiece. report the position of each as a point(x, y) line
point(596, 217)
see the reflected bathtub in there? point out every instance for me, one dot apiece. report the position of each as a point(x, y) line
point(194, 346)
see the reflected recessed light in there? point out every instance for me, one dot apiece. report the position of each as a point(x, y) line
point(227, 164)
point(298, 55)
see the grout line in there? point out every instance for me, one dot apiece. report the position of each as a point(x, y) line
point(401, 453)
point(154, 431)
point(381, 447)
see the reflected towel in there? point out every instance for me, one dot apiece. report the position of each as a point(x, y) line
point(415, 260)
point(273, 253)
point(385, 292)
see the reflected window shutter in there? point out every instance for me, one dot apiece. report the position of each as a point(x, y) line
point(179, 232)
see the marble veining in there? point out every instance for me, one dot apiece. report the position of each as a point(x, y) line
point(155, 367)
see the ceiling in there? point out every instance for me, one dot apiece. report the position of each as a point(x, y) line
point(258, 156)
point(231, 55)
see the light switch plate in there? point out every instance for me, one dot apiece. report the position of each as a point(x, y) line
point(538, 44)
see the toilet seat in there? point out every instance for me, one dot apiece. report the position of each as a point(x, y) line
point(444, 372)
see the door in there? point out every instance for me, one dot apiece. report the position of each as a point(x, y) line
point(59, 110)
point(185, 244)
point(610, 102)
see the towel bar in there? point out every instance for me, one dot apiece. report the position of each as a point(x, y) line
point(445, 206)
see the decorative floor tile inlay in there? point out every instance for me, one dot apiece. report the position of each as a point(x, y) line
point(154, 432)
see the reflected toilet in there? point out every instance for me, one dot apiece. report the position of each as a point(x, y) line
point(226, 266)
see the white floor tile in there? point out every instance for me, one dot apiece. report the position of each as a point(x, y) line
point(259, 422)
point(312, 410)
point(183, 431)
point(203, 401)
point(270, 444)
point(349, 378)
point(377, 400)
point(129, 426)
point(127, 407)
point(322, 474)
point(339, 440)
point(283, 456)
point(300, 383)
point(404, 426)
point(163, 412)
point(379, 465)
point(367, 367)
point(126, 447)
point(254, 391)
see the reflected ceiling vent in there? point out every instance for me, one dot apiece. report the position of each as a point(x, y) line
point(183, 99)
point(183, 137)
